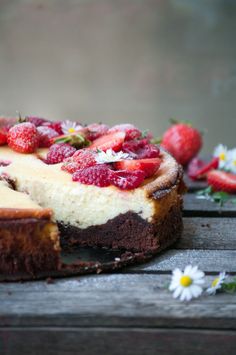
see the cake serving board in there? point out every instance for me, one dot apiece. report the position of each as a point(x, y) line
point(79, 260)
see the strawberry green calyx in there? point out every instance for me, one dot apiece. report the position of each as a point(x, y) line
point(77, 140)
point(174, 121)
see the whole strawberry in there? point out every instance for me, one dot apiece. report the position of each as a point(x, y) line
point(23, 137)
point(182, 141)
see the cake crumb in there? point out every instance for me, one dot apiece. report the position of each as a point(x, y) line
point(49, 280)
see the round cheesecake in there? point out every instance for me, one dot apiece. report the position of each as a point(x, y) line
point(145, 219)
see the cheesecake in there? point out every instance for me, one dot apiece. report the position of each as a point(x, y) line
point(88, 208)
point(29, 239)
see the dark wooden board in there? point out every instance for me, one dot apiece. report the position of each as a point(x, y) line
point(195, 207)
point(116, 341)
point(208, 260)
point(208, 233)
point(115, 300)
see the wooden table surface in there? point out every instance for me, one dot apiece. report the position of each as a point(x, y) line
point(131, 312)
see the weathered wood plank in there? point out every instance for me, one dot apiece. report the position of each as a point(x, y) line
point(111, 300)
point(203, 208)
point(70, 341)
point(208, 233)
point(194, 185)
point(208, 260)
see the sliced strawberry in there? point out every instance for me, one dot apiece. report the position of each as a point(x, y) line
point(45, 136)
point(131, 132)
point(198, 169)
point(222, 181)
point(96, 130)
point(3, 135)
point(112, 141)
point(148, 166)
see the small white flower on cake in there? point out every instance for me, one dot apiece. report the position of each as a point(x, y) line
point(187, 284)
point(69, 127)
point(231, 162)
point(216, 284)
point(221, 152)
point(110, 156)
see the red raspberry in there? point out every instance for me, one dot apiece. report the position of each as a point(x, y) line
point(98, 175)
point(23, 137)
point(83, 158)
point(148, 151)
point(58, 152)
point(133, 146)
point(127, 180)
point(37, 121)
point(56, 125)
point(96, 130)
point(131, 132)
point(141, 148)
point(45, 135)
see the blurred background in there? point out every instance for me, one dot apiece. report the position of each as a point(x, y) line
point(139, 61)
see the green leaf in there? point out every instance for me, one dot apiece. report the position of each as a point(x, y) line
point(205, 192)
point(156, 140)
point(229, 287)
point(175, 121)
point(145, 133)
point(220, 197)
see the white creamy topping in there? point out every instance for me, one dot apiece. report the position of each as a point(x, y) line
point(73, 203)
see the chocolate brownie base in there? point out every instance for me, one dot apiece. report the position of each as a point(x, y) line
point(129, 232)
point(28, 245)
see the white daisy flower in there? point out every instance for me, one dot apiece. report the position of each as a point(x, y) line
point(187, 284)
point(69, 127)
point(231, 161)
point(216, 283)
point(221, 152)
point(110, 156)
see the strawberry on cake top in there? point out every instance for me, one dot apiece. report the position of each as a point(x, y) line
point(108, 187)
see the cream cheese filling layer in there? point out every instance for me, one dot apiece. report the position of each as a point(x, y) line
point(72, 203)
point(14, 199)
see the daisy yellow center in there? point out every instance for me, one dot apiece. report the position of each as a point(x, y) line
point(222, 156)
point(185, 281)
point(215, 282)
point(234, 162)
point(71, 130)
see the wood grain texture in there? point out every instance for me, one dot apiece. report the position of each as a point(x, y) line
point(208, 260)
point(61, 341)
point(111, 300)
point(194, 186)
point(204, 208)
point(208, 233)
